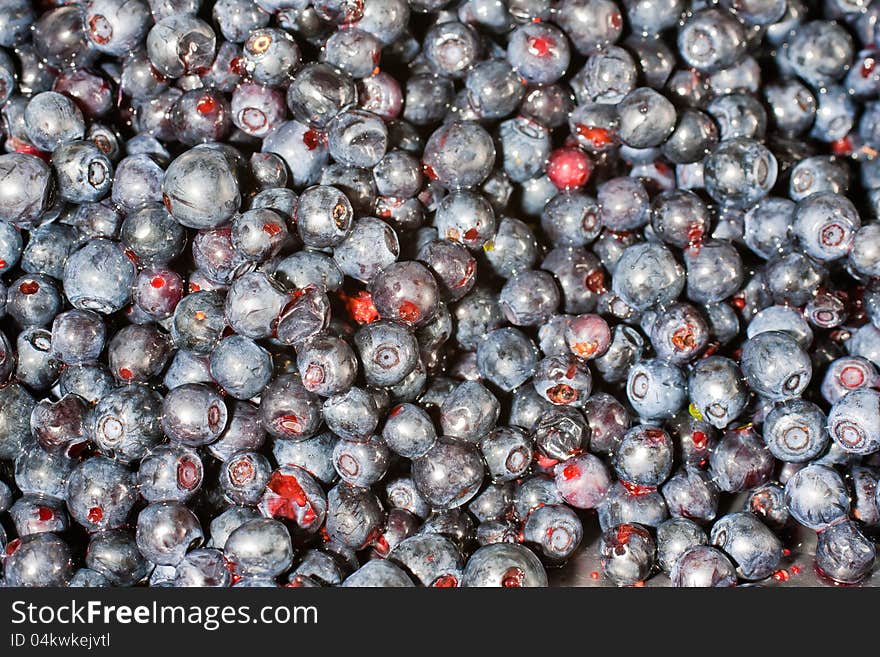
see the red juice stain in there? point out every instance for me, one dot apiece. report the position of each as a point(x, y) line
point(96, 514)
point(125, 374)
point(408, 311)
point(157, 282)
point(271, 229)
point(624, 532)
point(360, 307)
point(595, 575)
point(29, 287)
point(445, 582)
point(637, 490)
point(540, 46)
point(571, 471)
point(312, 139)
point(598, 137)
point(513, 578)
point(45, 514)
point(562, 394)
point(206, 105)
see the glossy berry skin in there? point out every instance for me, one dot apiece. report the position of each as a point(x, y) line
point(200, 188)
point(513, 249)
point(740, 461)
point(582, 481)
point(711, 40)
point(775, 366)
point(568, 168)
point(354, 515)
point(465, 217)
point(643, 457)
point(767, 502)
point(125, 423)
point(33, 300)
point(408, 430)
point(529, 298)
point(844, 554)
point(180, 44)
point(679, 334)
point(588, 336)
point(691, 493)
point(378, 574)
point(361, 462)
point(795, 431)
point(626, 554)
point(740, 172)
point(675, 537)
point(370, 246)
point(753, 547)
point(153, 235)
point(82, 171)
point(703, 566)
point(560, 433)
point(555, 531)
point(433, 560)
point(507, 452)
point(649, 275)
point(193, 415)
point(289, 411)
point(571, 220)
point(352, 414)
point(504, 565)
point(252, 307)
point(469, 412)
point(406, 292)
point(388, 352)
point(449, 473)
point(115, 555)
point(563, 380)
point(539, 52)
point(717, 390)
point(853, 422)
point(100, 493)
point(357, 138)
point(327, 364)
point(259, 548)
point(38, 560)
point(35, 514)
point(170, 473)
point(846, 374)
point(656, 389)
point(816, 497)
point(459, 155)
point(98, 277)
point(138, 353)
point(714, 272)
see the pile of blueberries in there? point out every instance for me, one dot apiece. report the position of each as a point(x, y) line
point(418, 292)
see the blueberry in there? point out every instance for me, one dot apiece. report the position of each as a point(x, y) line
point(703, 566)
point(795, 431)
point(100, 493)
point(844, 554)
point(753, 548)
point(740, 461)
point(674, 538)
point(38, 560)
point(775, 366)
point(626, 554)
point(504, 565)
